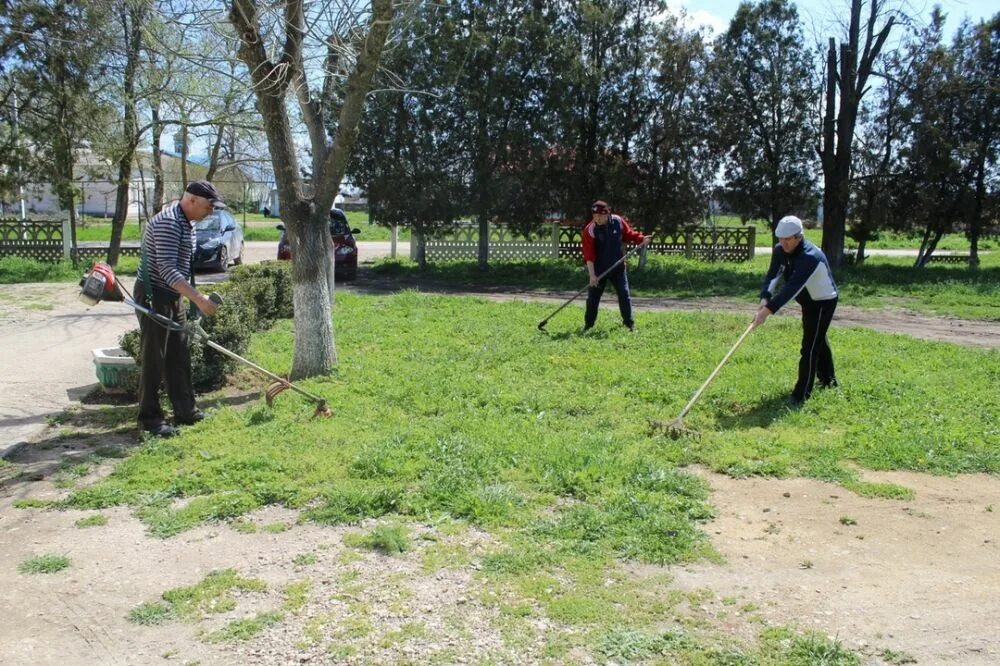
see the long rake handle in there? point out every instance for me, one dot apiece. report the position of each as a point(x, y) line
point(615, 265)
point(708, 381)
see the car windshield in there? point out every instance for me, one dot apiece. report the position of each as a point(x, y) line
point(210, 223)
point(339, 227)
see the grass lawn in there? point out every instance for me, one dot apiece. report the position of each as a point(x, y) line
point(456, 408)
point(882, 281)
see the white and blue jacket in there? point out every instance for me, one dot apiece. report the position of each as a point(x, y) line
point(807, 274)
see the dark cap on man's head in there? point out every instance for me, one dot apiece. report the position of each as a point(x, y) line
point(600, 207)
point(205, 189)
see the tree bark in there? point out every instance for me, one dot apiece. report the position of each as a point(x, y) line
point(157, 132)
point(131, 20)
point(306, 218)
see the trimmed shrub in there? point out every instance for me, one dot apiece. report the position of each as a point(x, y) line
point(254, 297)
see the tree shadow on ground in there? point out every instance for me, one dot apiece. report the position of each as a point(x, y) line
point(105, 427)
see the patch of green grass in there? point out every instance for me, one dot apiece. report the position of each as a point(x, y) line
point(406, 632)
point(245, 629)
point(15, 270)
point(387, 539)
point(151, 613)
point(893, 657)
point(297, 595)
point(60, 418)
point(848, 521)
point(92, 521)
point(881, 490)
point(437, 556)
point(243, 526)
point(44, 564)
point(33, 503)
point(275, 528)
point(211, 595)
point(305, 559)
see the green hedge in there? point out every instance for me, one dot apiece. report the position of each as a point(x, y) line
point(253, 299)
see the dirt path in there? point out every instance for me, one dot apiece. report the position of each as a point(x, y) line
point(900, 581)
point(887, 320)
point(918, 577)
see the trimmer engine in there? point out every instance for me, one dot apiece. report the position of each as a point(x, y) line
point(99, 284)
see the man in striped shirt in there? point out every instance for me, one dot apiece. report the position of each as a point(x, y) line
point(809, 280)
point(165, 272)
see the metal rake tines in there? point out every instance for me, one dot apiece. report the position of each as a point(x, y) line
point(273, 390)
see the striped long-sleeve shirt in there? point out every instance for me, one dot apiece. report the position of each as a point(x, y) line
point(167, 245)
point(807, 276)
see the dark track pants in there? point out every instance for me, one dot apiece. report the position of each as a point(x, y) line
point(619, 280)
point(816, 360)
point(173, 366)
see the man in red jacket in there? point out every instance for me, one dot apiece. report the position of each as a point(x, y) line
point(603, 238)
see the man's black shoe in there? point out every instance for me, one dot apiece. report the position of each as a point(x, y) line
point(630, 326)
point(190, 419)
point(161, 430)
point(830, 384)
point(793, 402)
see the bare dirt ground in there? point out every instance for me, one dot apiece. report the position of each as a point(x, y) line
point(919, 578)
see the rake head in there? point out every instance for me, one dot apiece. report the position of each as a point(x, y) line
point(541, 325)
point(674, 429)
point(273, 390)
point(322, 409)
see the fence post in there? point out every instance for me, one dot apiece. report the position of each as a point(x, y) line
point(753, 241)
point(67, 238)
point(688, 244)
point(393, 236)
point(555, 239)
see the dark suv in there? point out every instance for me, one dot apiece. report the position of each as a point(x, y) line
point(345, 248)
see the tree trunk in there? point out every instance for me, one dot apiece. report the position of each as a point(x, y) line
point(157, 132)
point(184, 155)
point(851, 84)
point(312, 250)
point(859, 258)
point(307, 218)
point(132, 18)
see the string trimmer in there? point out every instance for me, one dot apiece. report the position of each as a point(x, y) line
point(100, 284)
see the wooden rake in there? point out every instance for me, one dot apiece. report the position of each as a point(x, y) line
point(676, 429)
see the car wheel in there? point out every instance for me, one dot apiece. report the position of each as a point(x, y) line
point(223, 258)
point(239, 258)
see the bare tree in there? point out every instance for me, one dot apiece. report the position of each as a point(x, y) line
point(349, 42)
point(846, 84)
